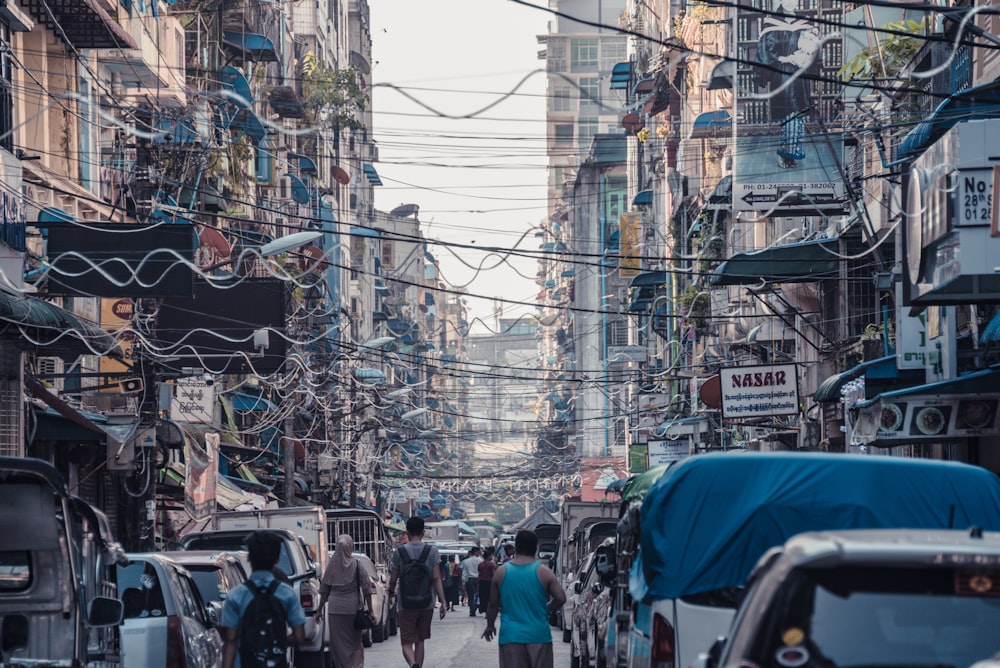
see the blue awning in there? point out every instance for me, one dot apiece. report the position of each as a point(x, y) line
point(237, 84)
point(306, 163)
point(791, 263)
point(253, 46)
point(247, 121)
point(621, 74)
point(977, 103)
point(991, 334)
point(53, 214)
point(710, 124)
point(978, 382)
point(371, 174)
point(250, 402)
point(300, 191)
point(648, 278)
point(829, 390)
point(370, 376)
point(643, 198)
point(364, 232)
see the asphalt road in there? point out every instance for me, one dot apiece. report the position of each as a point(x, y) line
point(455, 643)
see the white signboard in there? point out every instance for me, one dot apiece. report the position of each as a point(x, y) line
point(758, 391)
point(664, 452)
point(404, 494)
point(193, 401)
point(975, 197)
point(911, 335)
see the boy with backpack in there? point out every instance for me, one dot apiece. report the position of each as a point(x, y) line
point(415, 566)
point(256, 614)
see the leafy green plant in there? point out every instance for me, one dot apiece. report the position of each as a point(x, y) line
point(333, 97)
point(889, 56)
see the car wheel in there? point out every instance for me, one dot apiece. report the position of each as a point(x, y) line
point(392, 624)
point(574, 661)
point(328, 658)
point(366, 638)
point(567, 635)
point(378, 632)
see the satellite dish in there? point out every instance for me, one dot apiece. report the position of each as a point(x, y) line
point(341, 175)
point(404, 210)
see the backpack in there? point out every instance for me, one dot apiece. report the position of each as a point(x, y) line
point(415, 591)
point(262, 630)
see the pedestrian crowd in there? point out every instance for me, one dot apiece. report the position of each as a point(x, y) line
point(512, 586)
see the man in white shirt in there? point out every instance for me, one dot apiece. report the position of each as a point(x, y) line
point(470, 578)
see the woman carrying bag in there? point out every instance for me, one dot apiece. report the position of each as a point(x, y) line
point(349, 589)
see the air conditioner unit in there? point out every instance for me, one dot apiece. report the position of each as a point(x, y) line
point(938, 418)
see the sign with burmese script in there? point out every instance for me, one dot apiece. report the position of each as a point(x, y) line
point(756, 391)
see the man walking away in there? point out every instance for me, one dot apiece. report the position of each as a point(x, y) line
point(415, 565)
point(258, 605)
point(487, 567)
point(470, 578)
point(527, 592)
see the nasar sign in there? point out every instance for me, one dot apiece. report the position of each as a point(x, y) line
point(758, 391)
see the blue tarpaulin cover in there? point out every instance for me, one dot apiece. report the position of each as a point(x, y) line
point(709, 518)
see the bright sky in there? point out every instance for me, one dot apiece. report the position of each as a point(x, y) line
point(479, 181)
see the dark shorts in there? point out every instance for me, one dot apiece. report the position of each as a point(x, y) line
point(518, 655)
point(414, 625)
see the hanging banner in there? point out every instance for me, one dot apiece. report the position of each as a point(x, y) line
point(785, 163)
point(630, 244)
point(202, 474)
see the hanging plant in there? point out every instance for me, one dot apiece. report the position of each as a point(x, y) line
point(334, 98)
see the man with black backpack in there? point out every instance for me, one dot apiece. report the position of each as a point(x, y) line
point(256, 614)
point(415, 566)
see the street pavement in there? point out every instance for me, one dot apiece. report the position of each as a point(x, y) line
point(455, 643)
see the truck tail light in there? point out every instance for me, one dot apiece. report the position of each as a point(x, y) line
point(662, 653)
point(176, 656)
point(306, 597)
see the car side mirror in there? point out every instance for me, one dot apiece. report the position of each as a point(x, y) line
point(578, 587)
point(597, 589)
point(104, 611)
point(213, 613)
point(711, 658)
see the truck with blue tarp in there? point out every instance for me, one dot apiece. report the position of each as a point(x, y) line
point(707, 520)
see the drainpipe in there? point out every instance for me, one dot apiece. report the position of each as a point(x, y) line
point(602, 221)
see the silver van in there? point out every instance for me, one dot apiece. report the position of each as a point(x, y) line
point(58, 600)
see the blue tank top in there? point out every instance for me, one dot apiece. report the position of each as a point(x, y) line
point(524, 616)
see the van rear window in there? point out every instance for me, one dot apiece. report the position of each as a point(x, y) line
point(15, 570)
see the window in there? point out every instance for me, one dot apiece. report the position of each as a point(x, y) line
point(583, 55)
point(561, 98)
point(586, 129)
point(6, 90)
point(564, 133)
point(15, 571)
point(590, 93)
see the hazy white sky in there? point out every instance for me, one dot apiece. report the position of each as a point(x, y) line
point(478, 181)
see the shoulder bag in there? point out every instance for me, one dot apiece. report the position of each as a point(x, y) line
point(362, 618)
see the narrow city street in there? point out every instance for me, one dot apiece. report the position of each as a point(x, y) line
point(454, 643)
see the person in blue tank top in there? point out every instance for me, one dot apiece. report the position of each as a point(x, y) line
point(526, 591)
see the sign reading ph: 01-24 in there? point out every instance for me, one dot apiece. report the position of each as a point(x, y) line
point(756, 391)
point(975, 197)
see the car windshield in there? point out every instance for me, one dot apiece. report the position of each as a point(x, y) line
point(231, 543)
point(871, 617)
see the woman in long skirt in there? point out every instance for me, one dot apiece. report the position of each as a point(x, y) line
point(343, 580)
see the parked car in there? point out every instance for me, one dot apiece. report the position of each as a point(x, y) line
point(590, 612)
point(295, 562)
point(896, 597)
point(380, 602)
point(166, 623)
point(215, 573)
